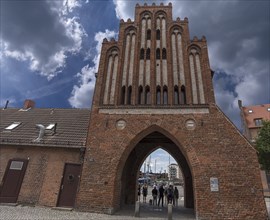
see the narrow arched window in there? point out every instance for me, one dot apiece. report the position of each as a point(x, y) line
point(158, 34)
point(164, 54)
point(158, 96)
point(140, 95)
point(148, 54)
point(123, 94)
point(158, 54)
point(183, 99)
point(147, 95)
point(142, 54)
point(176, 95)
point(148, 35)
point(129, 95)
point(165, 95)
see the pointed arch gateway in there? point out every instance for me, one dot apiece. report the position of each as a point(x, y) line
point(131, 160)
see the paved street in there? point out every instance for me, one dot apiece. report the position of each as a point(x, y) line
point(34, 213)
point(148, 212)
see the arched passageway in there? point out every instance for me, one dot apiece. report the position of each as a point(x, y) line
point(143, 148)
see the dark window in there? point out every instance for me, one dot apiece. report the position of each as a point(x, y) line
point(158, 54)
point(123, 94)
point(258, 121)
point(147, 95)
point(158, 96)
point(148, 35)
point(140, 95)
point(183, 99)
point(164, 55)
point(176, 95)
point(129, 95)
point(148, 54)
point(158, 34)
point(165, 95)
point(142, 54)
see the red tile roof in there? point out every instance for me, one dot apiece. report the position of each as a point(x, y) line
point(71, 129)
point(256, 112)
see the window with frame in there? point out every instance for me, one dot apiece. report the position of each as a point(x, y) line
point(140, 95)
point(258, 121)
point(123, 94)
point(12, 126)
point(129, 95)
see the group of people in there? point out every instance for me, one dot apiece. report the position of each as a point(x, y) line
point(170, 193)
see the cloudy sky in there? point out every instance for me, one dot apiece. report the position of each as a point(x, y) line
point(50, 49)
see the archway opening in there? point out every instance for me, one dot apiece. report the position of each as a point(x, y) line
point(136, 158)
point(161, 174)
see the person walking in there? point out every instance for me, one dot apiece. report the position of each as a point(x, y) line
point(145, 192)
point(170, 194)
point(154, 194)
point(161, 195)
point(176, 196)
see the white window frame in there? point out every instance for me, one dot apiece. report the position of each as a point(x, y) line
point(13, 126)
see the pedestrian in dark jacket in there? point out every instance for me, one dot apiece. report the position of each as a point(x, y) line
point(161, 195)
point(145, 192)
point(154, 194)
point(170, 194)
point(176, 196)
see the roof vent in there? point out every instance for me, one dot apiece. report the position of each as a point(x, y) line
point(41, 132)
point(6, 105)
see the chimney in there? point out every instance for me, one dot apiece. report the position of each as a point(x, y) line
point(28, 104)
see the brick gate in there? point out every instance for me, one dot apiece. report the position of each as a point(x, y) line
point(154, 88)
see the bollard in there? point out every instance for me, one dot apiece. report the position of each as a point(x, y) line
point(137, 209)
point(169, 211)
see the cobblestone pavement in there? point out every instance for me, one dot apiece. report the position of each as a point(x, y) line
point(44, 213)
point(21, 212)
point(147, 212)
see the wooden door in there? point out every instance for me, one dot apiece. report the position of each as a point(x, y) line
point(12, 181)
point(70, 181)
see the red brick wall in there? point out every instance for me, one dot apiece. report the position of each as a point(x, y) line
point(214, 149)
point(43, 175)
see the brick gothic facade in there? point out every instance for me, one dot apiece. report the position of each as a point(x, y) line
point(154, 89)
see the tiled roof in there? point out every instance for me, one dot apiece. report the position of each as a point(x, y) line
point(256, 112)
point(71, 129)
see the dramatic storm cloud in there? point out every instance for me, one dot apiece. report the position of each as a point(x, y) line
point(43, 38)
point(39, 32)
point(82, 94)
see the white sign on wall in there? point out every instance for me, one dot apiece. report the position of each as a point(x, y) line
point(214, 184)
